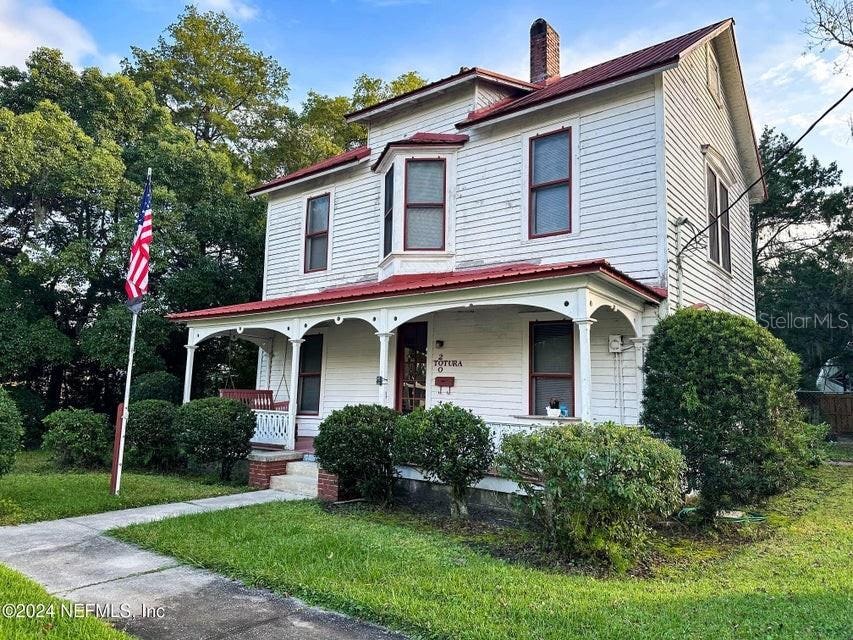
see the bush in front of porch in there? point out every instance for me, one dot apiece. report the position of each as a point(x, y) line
point(215, 430)
point(594, 490)
point(356, 443)
point(721, 388)
point(449, 444)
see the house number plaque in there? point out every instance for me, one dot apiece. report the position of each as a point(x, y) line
point(441, 363)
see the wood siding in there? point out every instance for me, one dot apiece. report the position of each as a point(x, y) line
point(692, 119)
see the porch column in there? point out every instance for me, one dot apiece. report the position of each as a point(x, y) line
point(188, 372)
point(382, 380)
point(584, 326)
point(296, 347)
point(639, 354)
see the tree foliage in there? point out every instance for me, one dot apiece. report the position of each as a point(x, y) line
point(209, 115)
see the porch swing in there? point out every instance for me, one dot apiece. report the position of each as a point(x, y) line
point(255, 399)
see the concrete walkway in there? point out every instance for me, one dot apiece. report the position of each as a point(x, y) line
point(72, 559)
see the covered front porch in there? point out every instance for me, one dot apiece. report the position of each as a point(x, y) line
point(505, 349)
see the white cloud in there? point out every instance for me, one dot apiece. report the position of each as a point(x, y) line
point(27, 25)
point(234, 8)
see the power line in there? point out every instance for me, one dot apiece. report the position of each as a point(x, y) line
point(767, 169)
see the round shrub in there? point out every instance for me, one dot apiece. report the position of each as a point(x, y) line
point(356, 443)
point(11, 430)
point(593, 489)
point(31, 406)
point(215, 430)
point(449, 444)
point(150, 440)
point(158, 385)
point(722, 390)
point(78, 438)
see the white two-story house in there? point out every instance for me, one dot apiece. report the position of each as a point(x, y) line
point(505, 244)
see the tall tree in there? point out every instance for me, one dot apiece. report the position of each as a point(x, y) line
point(213, 82)
point(806, 205)
point(831, 22)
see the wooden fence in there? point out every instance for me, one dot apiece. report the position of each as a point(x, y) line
point(834, 408)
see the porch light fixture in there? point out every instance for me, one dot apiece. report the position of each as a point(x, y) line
point(380, 380)
point(439, 344)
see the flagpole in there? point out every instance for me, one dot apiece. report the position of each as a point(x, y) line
point(118, 456)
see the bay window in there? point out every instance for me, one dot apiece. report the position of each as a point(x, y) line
point(388, 220)
point(425, 208)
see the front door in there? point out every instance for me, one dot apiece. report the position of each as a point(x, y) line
point(411, 366)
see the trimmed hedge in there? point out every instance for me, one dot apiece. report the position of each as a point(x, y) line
point(150, 440)
point(449, 444)
point(78, 438)
point(593, 489)
point(722, 389)
point(11, 431)
point(356, 443)
point(215, 430)
point(158, 385)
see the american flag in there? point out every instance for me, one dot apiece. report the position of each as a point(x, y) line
point(136, 283)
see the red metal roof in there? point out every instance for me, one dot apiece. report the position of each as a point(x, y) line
point(353, 155)
point(653, 57)
point(473, 72)
point(427, 282)
point(422, 138)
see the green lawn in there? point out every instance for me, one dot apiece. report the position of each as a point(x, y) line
point(17, 589)
point(795, 583)
point(840, 451)
point(34, 491)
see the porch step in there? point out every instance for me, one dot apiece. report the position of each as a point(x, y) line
point(301, 479)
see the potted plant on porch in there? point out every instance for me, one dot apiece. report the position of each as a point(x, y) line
point(553, 408)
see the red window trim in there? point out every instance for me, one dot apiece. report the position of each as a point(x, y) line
point(718, 226)
point(308, 374)
point(532, 375)
point(407, 204)
point(324, 232)
point(531, 188)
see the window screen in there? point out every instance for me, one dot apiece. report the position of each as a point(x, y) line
point(317, 233)
point(425, 206)
point(713, 224)
point(388, 219)
point(550, 183)
point(551, 365)
point(310, 371)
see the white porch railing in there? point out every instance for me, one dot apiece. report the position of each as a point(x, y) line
point(501, 430)
point(272, 427)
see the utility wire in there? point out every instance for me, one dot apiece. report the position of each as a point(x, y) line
point(767, 169)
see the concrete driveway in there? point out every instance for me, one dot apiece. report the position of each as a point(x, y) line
point(155, 597)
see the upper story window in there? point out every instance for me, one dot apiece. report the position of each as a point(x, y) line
point(317, 233)
point(425, 204)
point(715, 84)
point(388, 219)
point(719, 231)
point(550, 184)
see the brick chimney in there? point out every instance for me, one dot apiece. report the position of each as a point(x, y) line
point(544, 52)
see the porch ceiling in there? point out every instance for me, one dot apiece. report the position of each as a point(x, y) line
point(431, 282)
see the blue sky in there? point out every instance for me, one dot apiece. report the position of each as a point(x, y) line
point(325, 44)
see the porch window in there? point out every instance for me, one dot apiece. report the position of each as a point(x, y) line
point(719, 230)
point(388, 221)
point(310, 370)
point(425, 204)
point(551, 365)
point(317, 233)
point(550, 184)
